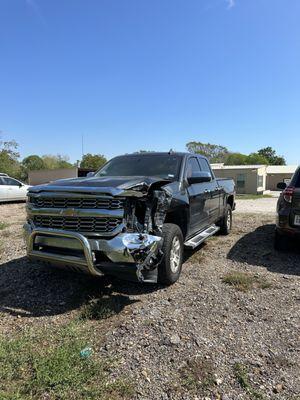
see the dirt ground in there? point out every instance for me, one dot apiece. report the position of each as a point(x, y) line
point(201, 338)
point(257, 206)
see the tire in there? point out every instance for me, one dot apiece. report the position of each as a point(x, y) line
point(169, 270)
point(281, 242)
point(226, 222)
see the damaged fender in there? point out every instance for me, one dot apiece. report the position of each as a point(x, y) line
point(144, 217)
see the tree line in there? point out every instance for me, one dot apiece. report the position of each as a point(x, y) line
point(11, 164)
point(220, 154)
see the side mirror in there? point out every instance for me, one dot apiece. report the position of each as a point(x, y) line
point(20, 185)
point(90, 174)
point(281, 185)
point(199, 177)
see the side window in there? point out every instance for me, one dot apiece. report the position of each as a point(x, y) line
point(10, 182)
point(192, 167)
point(204, 165)
point(1, 181)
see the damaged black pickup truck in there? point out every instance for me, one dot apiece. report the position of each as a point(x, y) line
point(132, 218)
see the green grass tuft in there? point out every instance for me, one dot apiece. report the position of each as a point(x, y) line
point(241, 374)
point(3, 225)
point(198, 375)
point(244, 281)
point(104, 307)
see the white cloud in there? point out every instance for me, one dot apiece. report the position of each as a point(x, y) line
point(230, 3)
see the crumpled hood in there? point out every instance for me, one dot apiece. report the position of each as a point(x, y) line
point(121, 185)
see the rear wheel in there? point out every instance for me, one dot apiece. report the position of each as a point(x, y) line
point(226, 221)
point(170, 267)
point(281, 242)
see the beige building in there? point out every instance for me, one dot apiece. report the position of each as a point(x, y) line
point(279, 173)
point(48, 175)
point(249, 179)
point(255, 179)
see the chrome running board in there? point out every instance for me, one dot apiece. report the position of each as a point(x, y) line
point(200, 237)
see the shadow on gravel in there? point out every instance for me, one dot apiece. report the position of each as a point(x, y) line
point(28, 289)
point(257, 248)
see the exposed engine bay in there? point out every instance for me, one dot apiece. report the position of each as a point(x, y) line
point(144, 218)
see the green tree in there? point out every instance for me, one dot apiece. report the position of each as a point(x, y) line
point(237, 159)
point(256, 159)
point(33, 162)
point(270, 155)
point(214, 152)
point(55, 162)
point(9, 156)
point(92, 161)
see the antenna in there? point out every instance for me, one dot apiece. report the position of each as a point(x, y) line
point(82, 145)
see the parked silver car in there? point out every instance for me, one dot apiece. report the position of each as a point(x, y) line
point(11, 189)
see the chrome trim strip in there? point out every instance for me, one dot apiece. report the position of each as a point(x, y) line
point(68, 195)
point(76, 212)
point(82, 190)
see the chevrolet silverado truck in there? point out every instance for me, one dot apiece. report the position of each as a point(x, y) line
point(132, 218)
point(288, 213)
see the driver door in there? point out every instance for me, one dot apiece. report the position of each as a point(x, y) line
point(198, 196)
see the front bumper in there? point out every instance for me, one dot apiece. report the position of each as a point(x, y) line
point(128, 254)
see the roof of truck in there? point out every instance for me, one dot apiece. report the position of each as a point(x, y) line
point(162, 153)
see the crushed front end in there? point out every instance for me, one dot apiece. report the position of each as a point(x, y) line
point(99, 231)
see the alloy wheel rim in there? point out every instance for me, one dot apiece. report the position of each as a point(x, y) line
point(175, 254)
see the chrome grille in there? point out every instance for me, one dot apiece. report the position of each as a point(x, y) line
point(84, 203)
point(81, 224)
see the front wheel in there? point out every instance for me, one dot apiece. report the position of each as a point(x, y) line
point(170, 267)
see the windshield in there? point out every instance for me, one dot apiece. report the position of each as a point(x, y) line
point(163, 166)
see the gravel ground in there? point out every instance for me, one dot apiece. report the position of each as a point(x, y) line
point(198, 339)
point(257, 206)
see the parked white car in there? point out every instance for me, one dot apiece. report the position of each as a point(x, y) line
point(11, 189)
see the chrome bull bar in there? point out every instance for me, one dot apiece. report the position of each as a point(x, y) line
point(87, 261)
point(138, 249)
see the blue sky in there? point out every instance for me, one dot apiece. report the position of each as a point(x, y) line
point(155, 74)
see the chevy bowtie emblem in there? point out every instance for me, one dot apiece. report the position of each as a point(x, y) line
point(68, 212)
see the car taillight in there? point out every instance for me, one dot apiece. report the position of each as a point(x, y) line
point(288, 194)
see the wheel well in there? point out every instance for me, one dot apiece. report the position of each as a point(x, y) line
point(179, 218)
point(230, 201)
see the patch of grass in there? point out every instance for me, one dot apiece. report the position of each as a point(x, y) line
point(7, 234)
point(244, 281)
point(198, 375)
point(38, 365)
point(241, 374)
point(253, 196)
point(3, 225)
point(104, 307)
